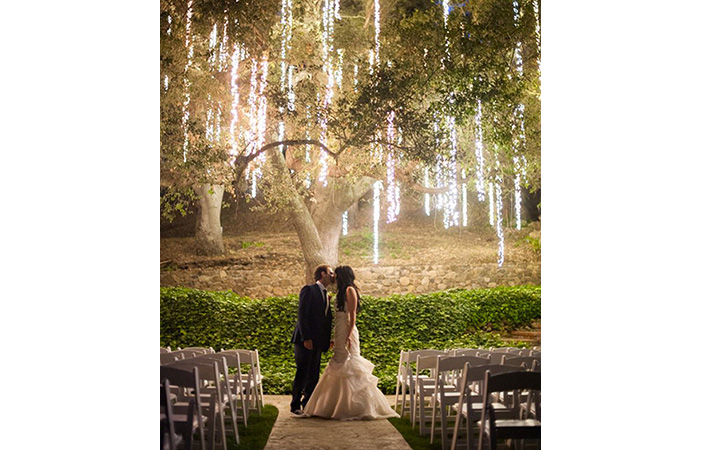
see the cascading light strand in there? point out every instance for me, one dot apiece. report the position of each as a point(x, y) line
point(451, 212)
point(234, 91)
point(345, 223)
point(391, 190)
point(376, 218)
point(376, 23)
point(479, 158)
point(519, 159)
point(535, 3)
point(498, 211)
point(498, 224)
point(464, 190)
point(491, 193)
point(186, 82)
point(427, 197)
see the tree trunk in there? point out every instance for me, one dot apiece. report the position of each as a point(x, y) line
point(208, 229)
point(319, 226)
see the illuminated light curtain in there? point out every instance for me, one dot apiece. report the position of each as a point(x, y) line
point(258, 104)
point(498, 223)
point(450, 167)
point(535, 3)
point(376, 218)
point(391, 190)
point(451, 210)
point(212, 60)
point(479, 159)
point(329, 15)
point(186, 81)
point(286, 71)
point(491, 193)
point(427, 197)
point(464, 192)
point(234, 90)
point(498, 212)
point(519, 159)
point(376, 23)
point(168, 32)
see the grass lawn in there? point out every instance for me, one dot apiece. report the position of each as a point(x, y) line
point(412, 436)
point(255, 436)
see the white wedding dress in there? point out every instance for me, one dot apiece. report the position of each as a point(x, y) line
point(347, 390)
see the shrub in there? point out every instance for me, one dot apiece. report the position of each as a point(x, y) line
point(447, 319)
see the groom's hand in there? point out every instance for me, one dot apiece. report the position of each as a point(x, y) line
point(308, 344)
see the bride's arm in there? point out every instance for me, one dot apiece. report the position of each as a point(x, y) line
point(351, 302)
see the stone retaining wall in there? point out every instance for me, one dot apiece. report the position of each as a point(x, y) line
point(372, 280)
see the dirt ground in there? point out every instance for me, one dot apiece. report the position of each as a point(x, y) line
point(257, 238)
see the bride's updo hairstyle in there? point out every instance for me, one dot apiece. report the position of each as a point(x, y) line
point(344, 279)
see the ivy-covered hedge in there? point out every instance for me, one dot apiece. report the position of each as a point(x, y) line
point(447, 319)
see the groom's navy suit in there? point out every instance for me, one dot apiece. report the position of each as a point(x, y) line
point(314, 321)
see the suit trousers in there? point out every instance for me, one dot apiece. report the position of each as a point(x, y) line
point(306, 375)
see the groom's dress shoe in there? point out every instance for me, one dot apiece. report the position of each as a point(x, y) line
point(298, 412)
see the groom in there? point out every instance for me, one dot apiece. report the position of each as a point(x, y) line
point(312, 336)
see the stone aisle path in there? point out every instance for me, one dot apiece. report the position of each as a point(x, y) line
point(320, 434)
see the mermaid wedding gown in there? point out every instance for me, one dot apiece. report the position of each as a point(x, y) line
point(347, 390)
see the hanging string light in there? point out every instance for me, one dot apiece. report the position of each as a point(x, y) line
point(345, 223)
point(464, 189)
point(451, 211)
point(391, 190)
point(519, 159)
point(491, 193)
point(186, 81)
point(376, 23)
point(479, 159)
point(376, 218)
point(329, 15)
point(500, 232)
point(535, 3)
point(427, 197)
point(211, 59)
point(234, 90)
point(498, 212)
point(285, 70)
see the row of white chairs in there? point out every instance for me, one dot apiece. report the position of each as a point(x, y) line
point(428, 380)
point(218, 375)
point(507, 405)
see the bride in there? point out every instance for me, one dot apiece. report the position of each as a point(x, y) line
point(347, 389)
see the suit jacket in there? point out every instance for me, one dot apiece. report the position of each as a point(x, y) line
point(312, 323)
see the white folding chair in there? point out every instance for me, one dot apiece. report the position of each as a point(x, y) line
point(165, 349)
point(167, 358)
point(228, 397)
point(470, 403)
point(209, 372)
point(401, 385)
point(197, 350)
point(449, 373)
point(411, 377)
point(169, 438)
point(424, 390)
point(193, 419)
point(518, 361)
point(492, 428)
point(470, 352)
point(236, 384)
point(252, 379)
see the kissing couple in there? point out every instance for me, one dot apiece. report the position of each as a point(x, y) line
point(347, 389)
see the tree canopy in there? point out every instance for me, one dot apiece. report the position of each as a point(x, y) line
point(310, 102)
